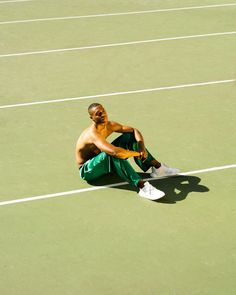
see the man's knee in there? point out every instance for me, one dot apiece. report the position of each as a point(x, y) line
point(129, 136)
point(124, 140)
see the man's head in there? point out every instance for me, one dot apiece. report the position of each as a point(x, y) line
point(97, 113)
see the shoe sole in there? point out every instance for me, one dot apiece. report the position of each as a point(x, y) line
point(157, 198)
point(164, 176)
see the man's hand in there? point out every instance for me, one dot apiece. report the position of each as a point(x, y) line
point(143, 154)
point(142, 150)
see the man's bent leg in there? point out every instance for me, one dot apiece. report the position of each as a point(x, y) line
point(126, 171)
point(103, 164)
point(128, 141)
point(96, 167)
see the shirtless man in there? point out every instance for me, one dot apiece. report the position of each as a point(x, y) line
point(96, 156)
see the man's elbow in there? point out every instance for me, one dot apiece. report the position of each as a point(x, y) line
point(136, 131)
point(113, 153)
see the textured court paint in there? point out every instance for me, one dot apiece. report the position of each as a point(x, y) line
point(109, 241)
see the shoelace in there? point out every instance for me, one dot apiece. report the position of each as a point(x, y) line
point(150, 189)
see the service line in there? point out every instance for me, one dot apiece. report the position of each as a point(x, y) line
point(14, 1)
point(117, 93)
point(78, 191)
point(114, 14)
point(50, 51)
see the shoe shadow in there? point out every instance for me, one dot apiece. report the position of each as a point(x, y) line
point(176, 188)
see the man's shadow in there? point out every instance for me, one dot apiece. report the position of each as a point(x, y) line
point(176, 188)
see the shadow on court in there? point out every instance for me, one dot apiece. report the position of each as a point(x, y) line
point(176, 188)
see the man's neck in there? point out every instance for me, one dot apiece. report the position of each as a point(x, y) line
point(101, 126)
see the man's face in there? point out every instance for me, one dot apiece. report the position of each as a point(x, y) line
point(99, 115)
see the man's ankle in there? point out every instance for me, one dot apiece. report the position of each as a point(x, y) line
point(156, 164)
point(141, 184)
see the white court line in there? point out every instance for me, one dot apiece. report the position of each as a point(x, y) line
point(116, 93)
point(115, 44)
point(14, 1)
point(115, 14)
point(78, 191)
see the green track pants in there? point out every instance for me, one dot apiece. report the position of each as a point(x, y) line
point(103, 163)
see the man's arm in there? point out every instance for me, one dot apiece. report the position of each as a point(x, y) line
point(117, 127)
point(112, 150)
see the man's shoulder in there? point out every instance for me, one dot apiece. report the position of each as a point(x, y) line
point(114, 124)
point(89, 134)
point(85, 134)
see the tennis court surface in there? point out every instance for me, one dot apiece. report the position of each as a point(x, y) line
point(164, 67)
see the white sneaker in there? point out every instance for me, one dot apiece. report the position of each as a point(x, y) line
point(150, 192)
point(163, 171)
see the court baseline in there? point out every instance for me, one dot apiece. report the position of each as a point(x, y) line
point(72, 192)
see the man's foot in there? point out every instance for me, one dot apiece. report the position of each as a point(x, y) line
point(150, 192)
point(163, 171)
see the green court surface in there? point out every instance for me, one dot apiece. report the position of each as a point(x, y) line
point(61, 235)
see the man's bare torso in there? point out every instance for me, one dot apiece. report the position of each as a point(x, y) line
point(85, 147)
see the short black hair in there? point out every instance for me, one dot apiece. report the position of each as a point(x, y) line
point(93, 105)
